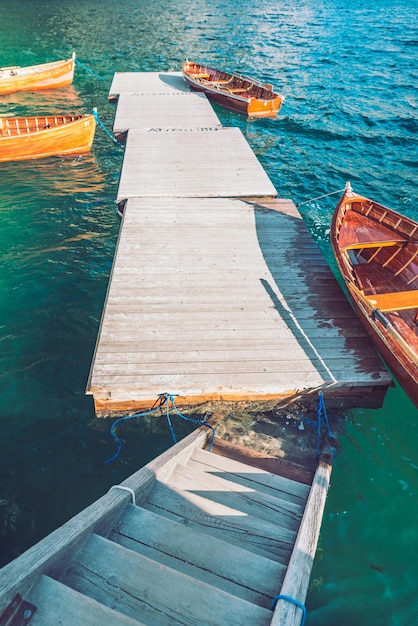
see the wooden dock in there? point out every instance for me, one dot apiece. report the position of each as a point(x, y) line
point(191, 538)
point(218, 291)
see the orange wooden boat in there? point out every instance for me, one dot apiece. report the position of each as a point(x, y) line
point(377, 252)
point(24, 138)
point(36, 77)
point(233, 91)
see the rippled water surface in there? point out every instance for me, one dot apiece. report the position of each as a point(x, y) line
point(349, 74)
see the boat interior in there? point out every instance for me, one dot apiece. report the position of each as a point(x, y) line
point(10, 127)
point(234, 84)
point(383, 266)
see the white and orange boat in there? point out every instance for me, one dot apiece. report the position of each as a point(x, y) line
point(24, 138)
point(37, 77)
point(233, 91)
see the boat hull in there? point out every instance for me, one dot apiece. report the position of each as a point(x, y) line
point(37, 77)
point(37, 139)
point(232, 91)
point(376, 250)
point(405, 374)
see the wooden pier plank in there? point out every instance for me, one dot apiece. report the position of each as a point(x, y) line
point(161, 83)
point(246, 475)
point(176, 110)
point(58, 604)
point(226, 523)
point(246, 575)
point(242, 498)
point(142, 588)
point(191, 163)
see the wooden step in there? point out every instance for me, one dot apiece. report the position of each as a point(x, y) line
point(268, 508)
point(223, 522)
point(144, 589)
point(58, 604)
point(215, 562)
point(272, 464)
point(249, 476)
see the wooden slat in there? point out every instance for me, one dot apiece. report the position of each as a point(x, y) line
point(274, 465)
point(215, 562)
point(245, 499)
point(58, 604)
point(250, 476)
point(223, 522)
point(144, 589)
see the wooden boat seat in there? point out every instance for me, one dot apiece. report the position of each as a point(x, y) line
point(395, 300)
point(206, 76)
point(237, 90)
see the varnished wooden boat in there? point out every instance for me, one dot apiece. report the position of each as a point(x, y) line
point(194, 537)
point(233, 91)
point(376, 250)
point(24, 138)
point(37, 77)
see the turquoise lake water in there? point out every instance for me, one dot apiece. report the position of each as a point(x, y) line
point(349, 73)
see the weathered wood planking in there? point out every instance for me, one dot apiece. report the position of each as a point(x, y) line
point(205, 538)
point(189, 163)
point(161, 83)
point(213, 299)
point(176, 109)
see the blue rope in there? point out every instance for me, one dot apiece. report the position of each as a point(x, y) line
point(153, 409)
point(292, 601)
point(88, 70)
point(100, 123)
point(323, 412)
point(164, 399)
point(201, 422)
point(321, 415)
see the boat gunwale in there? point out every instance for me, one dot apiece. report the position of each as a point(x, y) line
point(72, 119)
point(23, 70)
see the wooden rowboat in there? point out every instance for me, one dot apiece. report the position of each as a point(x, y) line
point(36, 77)
point(194, 537)
point(24, 138)
point(233, 91)
point(377, 252)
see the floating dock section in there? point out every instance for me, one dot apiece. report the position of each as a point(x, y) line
point(218, 291)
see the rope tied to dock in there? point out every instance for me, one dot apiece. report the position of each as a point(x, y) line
point(281, 596)
point(164, 400)
point(322, 417)
point(100, 123)
point(325, 195)
point(88, 70)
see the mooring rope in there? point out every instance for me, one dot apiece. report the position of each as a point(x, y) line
point(292, 601)
point(88, 70)
point(321, 418)
point(100, 123)
point(164, 399)
point(325, 195)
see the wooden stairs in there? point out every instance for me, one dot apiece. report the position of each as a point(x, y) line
point(206, 540)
